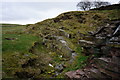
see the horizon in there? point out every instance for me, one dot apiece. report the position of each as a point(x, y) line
point(21, 12)
point(32, 12)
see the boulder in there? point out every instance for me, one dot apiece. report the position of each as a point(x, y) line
point(59, 67)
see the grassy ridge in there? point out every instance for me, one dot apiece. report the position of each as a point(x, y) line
point(26, 53)
point(75, 21)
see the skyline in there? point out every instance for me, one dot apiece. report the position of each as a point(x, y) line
point(112, 1)
point(19, 12)
point(32, 12)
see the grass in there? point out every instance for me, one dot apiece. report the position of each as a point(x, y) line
point(12, 63)
point(110, 14)
point(15, 51)
point(89, 24)
point(22, 42)
point(79, 61)
point(13, 29)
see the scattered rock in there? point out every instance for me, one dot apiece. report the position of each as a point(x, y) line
point(59, 67)
point(106, 65)
point(11, 38)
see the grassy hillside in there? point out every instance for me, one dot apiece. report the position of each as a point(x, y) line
point(75, 23)
point(50, 48)
point(15, 45)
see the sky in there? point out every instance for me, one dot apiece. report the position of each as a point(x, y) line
point(33, 11)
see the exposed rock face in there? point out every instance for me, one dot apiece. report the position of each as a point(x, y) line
point(107, 48)
point(59, 43)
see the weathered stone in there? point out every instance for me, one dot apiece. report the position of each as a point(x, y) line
point(59, 67)
point(70, 74)
point(95, 73)
point(84, 41)
point(80, 72)
point(117, 31)
point(110, 73)
point(115, 39)
point(106, 65)
point(74, 55)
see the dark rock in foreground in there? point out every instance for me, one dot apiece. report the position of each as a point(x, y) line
point(106, 64)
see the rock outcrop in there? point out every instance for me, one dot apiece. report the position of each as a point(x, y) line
point(106, 47)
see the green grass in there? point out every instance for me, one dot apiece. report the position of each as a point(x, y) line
point(16, 52)
point(79, 62)
point(80, 59)
point(22, 42)
point(13, 29)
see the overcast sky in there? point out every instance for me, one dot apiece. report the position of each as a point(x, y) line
point(32, 11)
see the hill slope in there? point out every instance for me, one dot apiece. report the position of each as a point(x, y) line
point(70, 28)
point(65, 43)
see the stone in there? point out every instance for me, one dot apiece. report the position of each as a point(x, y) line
point(115, 39)
point(59, 67)
point(51, 65)
point(84, 41)
point(11, 38)
point(107, 62)
point(26, 55)
point(62, 41)
point(80, 72)
point(74, 55)
point(70, 74)
point(117, 31)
